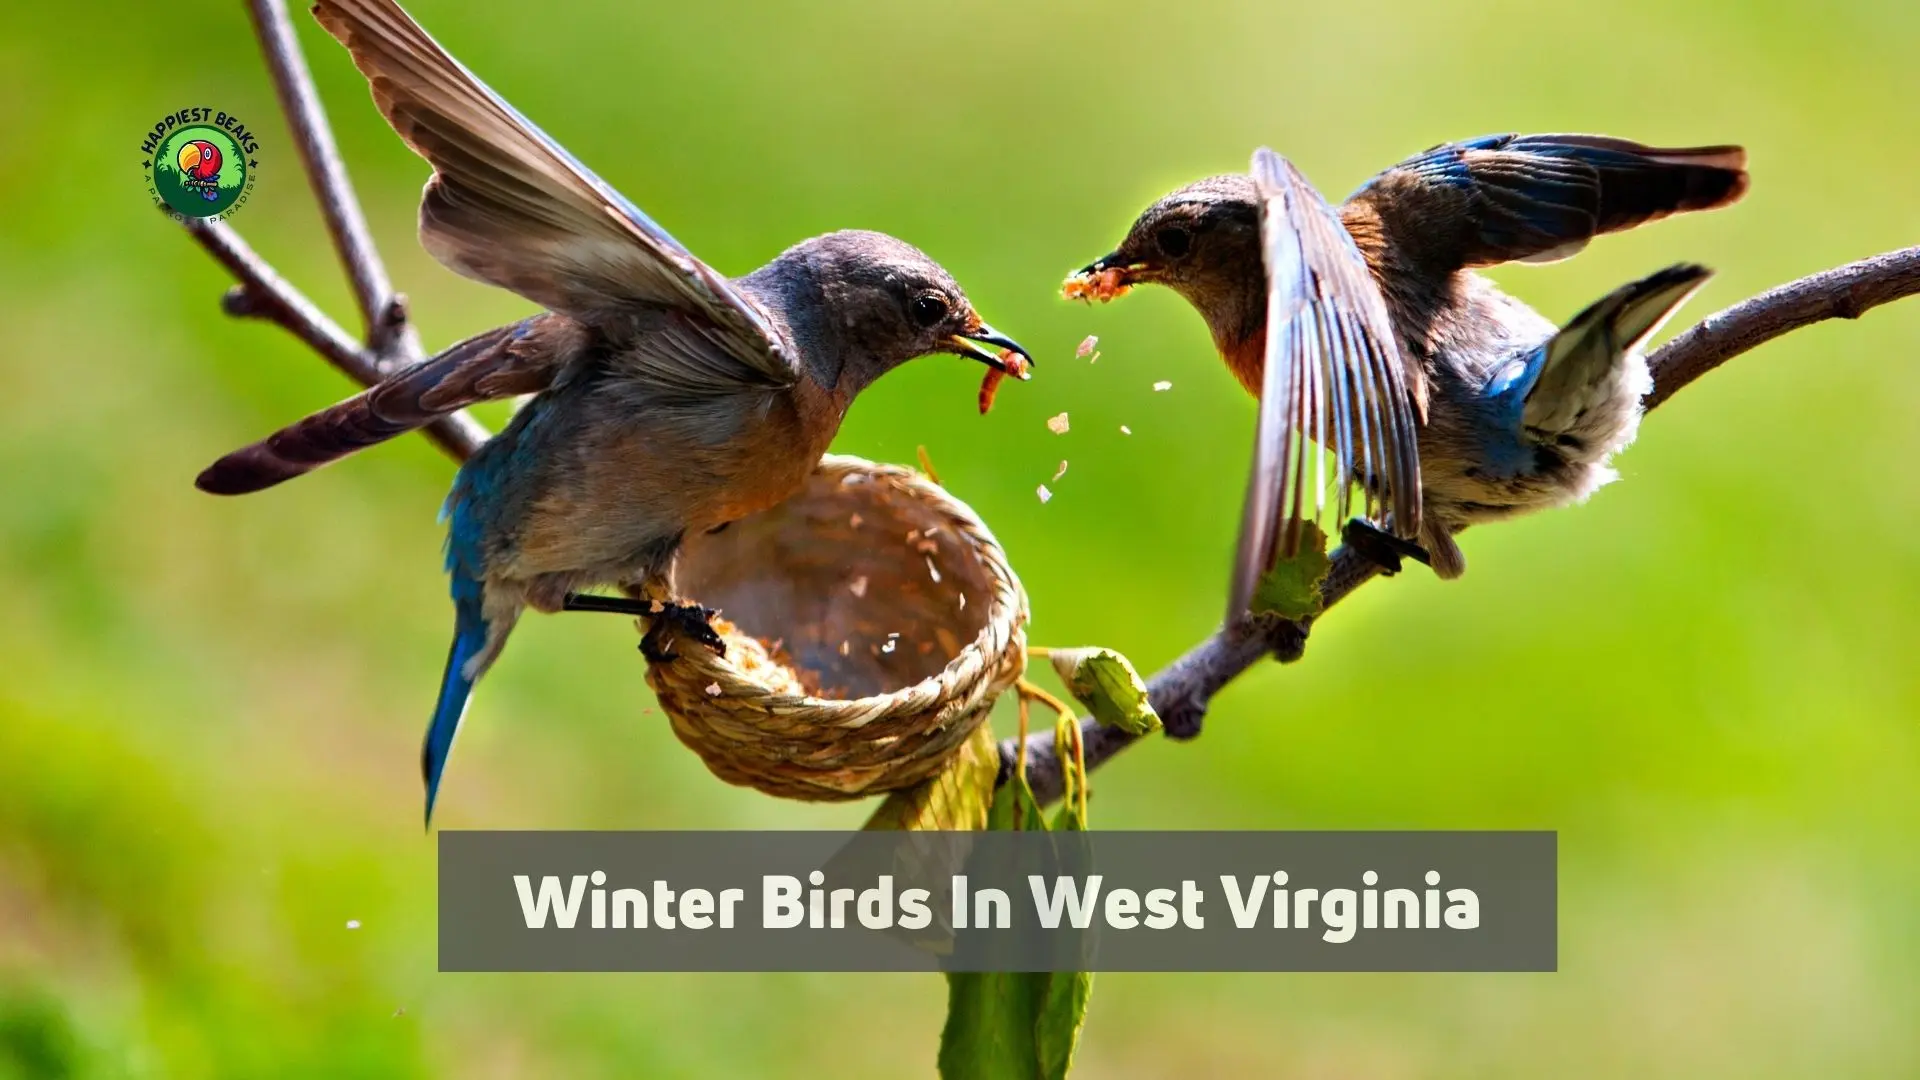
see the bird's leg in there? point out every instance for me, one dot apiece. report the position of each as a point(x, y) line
point(666, 621)
point(612, 605)
point(1382, 547)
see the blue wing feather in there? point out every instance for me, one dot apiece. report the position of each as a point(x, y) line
point(1537, 198)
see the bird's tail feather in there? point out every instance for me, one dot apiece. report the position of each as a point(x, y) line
point(475, 644)
point(1582, 362)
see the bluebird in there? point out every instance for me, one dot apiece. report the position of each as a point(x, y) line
point(1364, 331)
point(667, 399)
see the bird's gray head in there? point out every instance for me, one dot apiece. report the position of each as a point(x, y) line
point(1203, 242)
point(860, 304)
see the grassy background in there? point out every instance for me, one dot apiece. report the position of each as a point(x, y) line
point(210, 710)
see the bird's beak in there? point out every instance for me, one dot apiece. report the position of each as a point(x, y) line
point(969, 345)
point(1104, 278)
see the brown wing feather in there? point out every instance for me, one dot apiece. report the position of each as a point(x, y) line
point(509, 206)
point(1539, 198)
point(524, 358)
point(1334, 376)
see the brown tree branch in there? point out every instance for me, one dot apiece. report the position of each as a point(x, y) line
point(263, 294)
point(1845, 292)
point(390, 337)
point(1181, 691)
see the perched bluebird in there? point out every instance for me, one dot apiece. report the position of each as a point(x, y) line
point(667, 399)
point(1442, 399)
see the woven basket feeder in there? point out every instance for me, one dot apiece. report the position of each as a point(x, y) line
point(871, 621)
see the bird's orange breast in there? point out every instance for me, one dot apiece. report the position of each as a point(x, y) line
point(1247, 360)
point(773, 459)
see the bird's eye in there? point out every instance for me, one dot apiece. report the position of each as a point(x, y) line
point(928, 309)
point(1174, 241)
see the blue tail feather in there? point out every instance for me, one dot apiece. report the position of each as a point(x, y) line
point(469, 639)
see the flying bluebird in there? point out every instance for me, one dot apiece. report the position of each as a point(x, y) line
point(667, 399)
point(1364, 330)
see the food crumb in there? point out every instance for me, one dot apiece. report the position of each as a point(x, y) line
point(854, 521)
point(845, 649)
point(933, 571)
point(353, 924)
point(1059, 472)
point(1103, 286)
point(1125, 430)
point(858, 586)
point(1043, 493)
point(963, 601)
point(1163, 384)
point(1086, 347)
point(1057, 424)
point(713, 689)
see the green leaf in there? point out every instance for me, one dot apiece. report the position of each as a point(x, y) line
point(1018, 1024)
point(1015, 809)
point(1063, 1012)
point(990, 1032)
point(1292, 588)
point(1063, 1006)
point(1002, 1025)
point(1106, 683)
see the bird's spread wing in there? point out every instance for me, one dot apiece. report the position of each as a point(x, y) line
point(1334, 374)
point(1538, 198)
point(509, 206)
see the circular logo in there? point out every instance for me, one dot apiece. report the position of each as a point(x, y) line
point(199, 169)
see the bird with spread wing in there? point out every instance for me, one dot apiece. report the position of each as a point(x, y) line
point(667, 399)
point(1369, 340)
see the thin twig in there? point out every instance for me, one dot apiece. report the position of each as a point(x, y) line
point(1040, 694)
point(390, 337)
point(1020, 754)
point(264, 294)
point(1181, 691)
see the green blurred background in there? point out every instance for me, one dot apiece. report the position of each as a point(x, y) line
point(1705, 678)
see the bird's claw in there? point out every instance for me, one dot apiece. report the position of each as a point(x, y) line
point(679, 621)
point(1381, 547)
